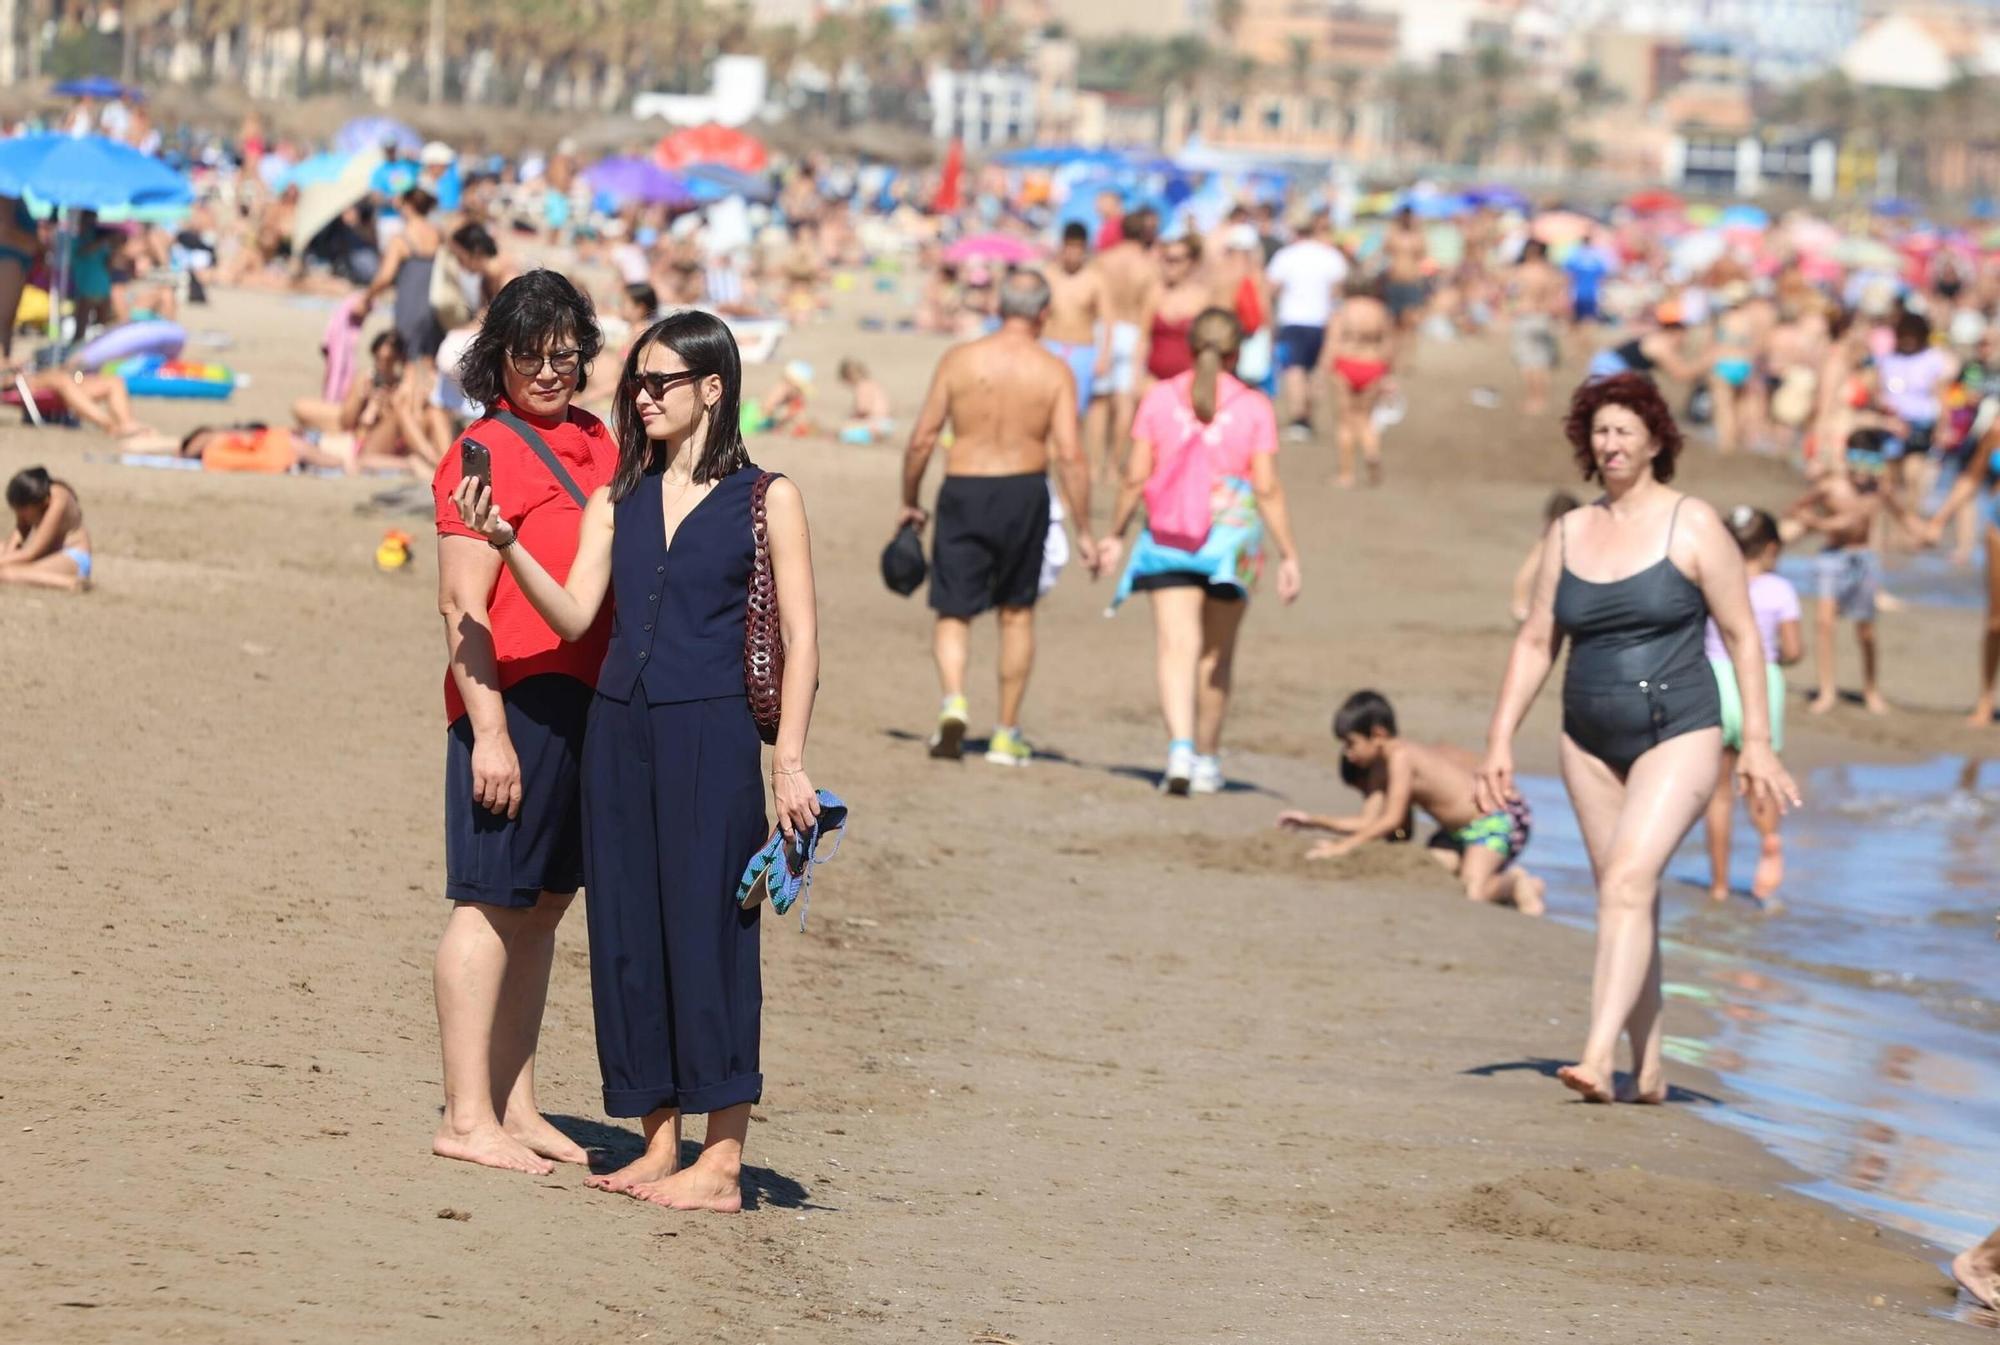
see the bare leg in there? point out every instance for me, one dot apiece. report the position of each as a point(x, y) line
point(1723, 398)
point(1871, 687)
point(1721, 815)
point(1096, 440)
point(1664, 792)
point(660, 1161)
point(1177, 644)
point(1825, 617)
point(470, 973)
point(1764, 816)
point(1123, 407)
point(1977, 1270)
point(1295, 392)
point(1989, 652)
point(1017, 659)
point(314, 413)
point(1480, 874)
point(1345, 443)
point(1221, 619)
point(1365, 433)
point(517, 1027)
point(13, 281)
point(1535, 391)
point(951, 645)
point(57, 572)
point(713, 1181)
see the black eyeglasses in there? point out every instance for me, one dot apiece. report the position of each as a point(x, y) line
point(562, 362)
point(656, 383)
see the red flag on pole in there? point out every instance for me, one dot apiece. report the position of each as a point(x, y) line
point(948, 183)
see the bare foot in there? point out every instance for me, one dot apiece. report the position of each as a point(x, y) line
point(1580, 1080)
point(1875, 703)
point(1719, 892)
point(1822, 703)
point(1647, 1090)
point(491, 1147)
point(1770, 869)
point(1373, 468)
point(648, 1167)
point(536, 1133)
point(1528, 891)
point(1345, 481)
point(1978, 1277)
point(703, 1186)
point(1981, 716)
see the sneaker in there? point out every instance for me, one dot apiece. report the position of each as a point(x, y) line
point(1298, 432)
point(1207, 776)
point(1009, 748)
point(948, 742)
point(1180, 772)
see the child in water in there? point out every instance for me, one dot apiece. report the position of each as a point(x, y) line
point(1843, 507)
point(1775, 605)
point(1396, 774)
point(49, 547)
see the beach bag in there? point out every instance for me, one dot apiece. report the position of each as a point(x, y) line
point(903, 566)
point(1170, 513)
point(763, 638)
point(447, 293)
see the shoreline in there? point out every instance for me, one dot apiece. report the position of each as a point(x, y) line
point(1057, 1059)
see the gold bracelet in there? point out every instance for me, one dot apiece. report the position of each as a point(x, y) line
point(777, 771)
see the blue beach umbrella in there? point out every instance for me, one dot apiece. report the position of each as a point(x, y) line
point(95, 86)
point(713, 182)
point(87, 173)
point(624, 181)
point(314, 170)
point(373, 133)
point(1745, 217)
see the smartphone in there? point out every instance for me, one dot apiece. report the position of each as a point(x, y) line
point(475, 461)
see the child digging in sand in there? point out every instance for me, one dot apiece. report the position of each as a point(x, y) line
point(49, 547)
point(1395, 774)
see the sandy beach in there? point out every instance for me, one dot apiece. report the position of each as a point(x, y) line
point(1055, 1061)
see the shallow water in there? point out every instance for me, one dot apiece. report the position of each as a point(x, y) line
point(1858, 1028)
point(1925, 579)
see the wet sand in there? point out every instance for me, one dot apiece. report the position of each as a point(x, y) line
point(1057, 1060)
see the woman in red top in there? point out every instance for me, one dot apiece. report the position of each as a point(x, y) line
point(1183, 295)
point(516, 698)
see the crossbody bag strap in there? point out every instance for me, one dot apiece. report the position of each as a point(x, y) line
point(533, 439)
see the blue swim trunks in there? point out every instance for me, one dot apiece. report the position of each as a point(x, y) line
point(80, 558)
point(1081, 357)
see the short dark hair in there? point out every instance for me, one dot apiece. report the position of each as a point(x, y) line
point(29, 487)
point(397, 346)
point(1636, 393)
point(419, 202)
point(1074, 232)
point(1363, 713)
point(474, 239)
point(645, 296)
point(1140, 226)
point(530, 310)
point(1913, 327)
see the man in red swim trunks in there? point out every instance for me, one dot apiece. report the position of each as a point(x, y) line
point(1360, 349)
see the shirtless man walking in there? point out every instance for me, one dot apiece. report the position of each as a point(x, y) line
point(1536, 297)
point(1406, 258)
point(1130, 279)
point(1077, 330)
point(1361, 349)
point(1011, 406)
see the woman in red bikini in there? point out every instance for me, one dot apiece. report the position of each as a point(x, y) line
point(1359, 350)
point(1182, 296)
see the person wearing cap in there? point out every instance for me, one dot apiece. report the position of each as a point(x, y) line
point(437, 173)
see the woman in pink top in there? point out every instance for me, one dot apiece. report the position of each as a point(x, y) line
point(1203, 458)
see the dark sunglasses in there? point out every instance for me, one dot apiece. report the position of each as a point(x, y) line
point(656, 383)
point(562, 362)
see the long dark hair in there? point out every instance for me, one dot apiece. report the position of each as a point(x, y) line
point(529, 311)
point(706, 346)
point(30, 487)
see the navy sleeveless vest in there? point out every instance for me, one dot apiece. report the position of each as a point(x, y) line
point(677, 623)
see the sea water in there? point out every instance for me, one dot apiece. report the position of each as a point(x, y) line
point(1857, 1027)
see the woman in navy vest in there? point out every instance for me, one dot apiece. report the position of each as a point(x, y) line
point(673, 806)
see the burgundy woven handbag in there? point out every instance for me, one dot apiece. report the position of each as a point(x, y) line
point(763, 639)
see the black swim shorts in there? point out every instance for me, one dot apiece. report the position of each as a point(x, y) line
point(987, 552)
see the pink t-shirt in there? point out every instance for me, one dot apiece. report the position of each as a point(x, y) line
point(1179, 493)
point(1773, 602)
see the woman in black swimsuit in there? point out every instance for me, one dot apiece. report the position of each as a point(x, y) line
point(1630, 580)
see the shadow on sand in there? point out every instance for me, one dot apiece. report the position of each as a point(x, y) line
point(1547, 1069)
point(614, 1146)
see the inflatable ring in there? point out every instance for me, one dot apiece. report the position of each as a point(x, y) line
point(158, 338)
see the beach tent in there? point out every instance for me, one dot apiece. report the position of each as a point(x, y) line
point(712, 145)
point(321, 203)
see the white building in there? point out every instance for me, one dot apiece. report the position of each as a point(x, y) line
point(1909, 51)
point(984, 108)
point(1782, 41)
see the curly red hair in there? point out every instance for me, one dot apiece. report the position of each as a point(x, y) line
point(1636, 393)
